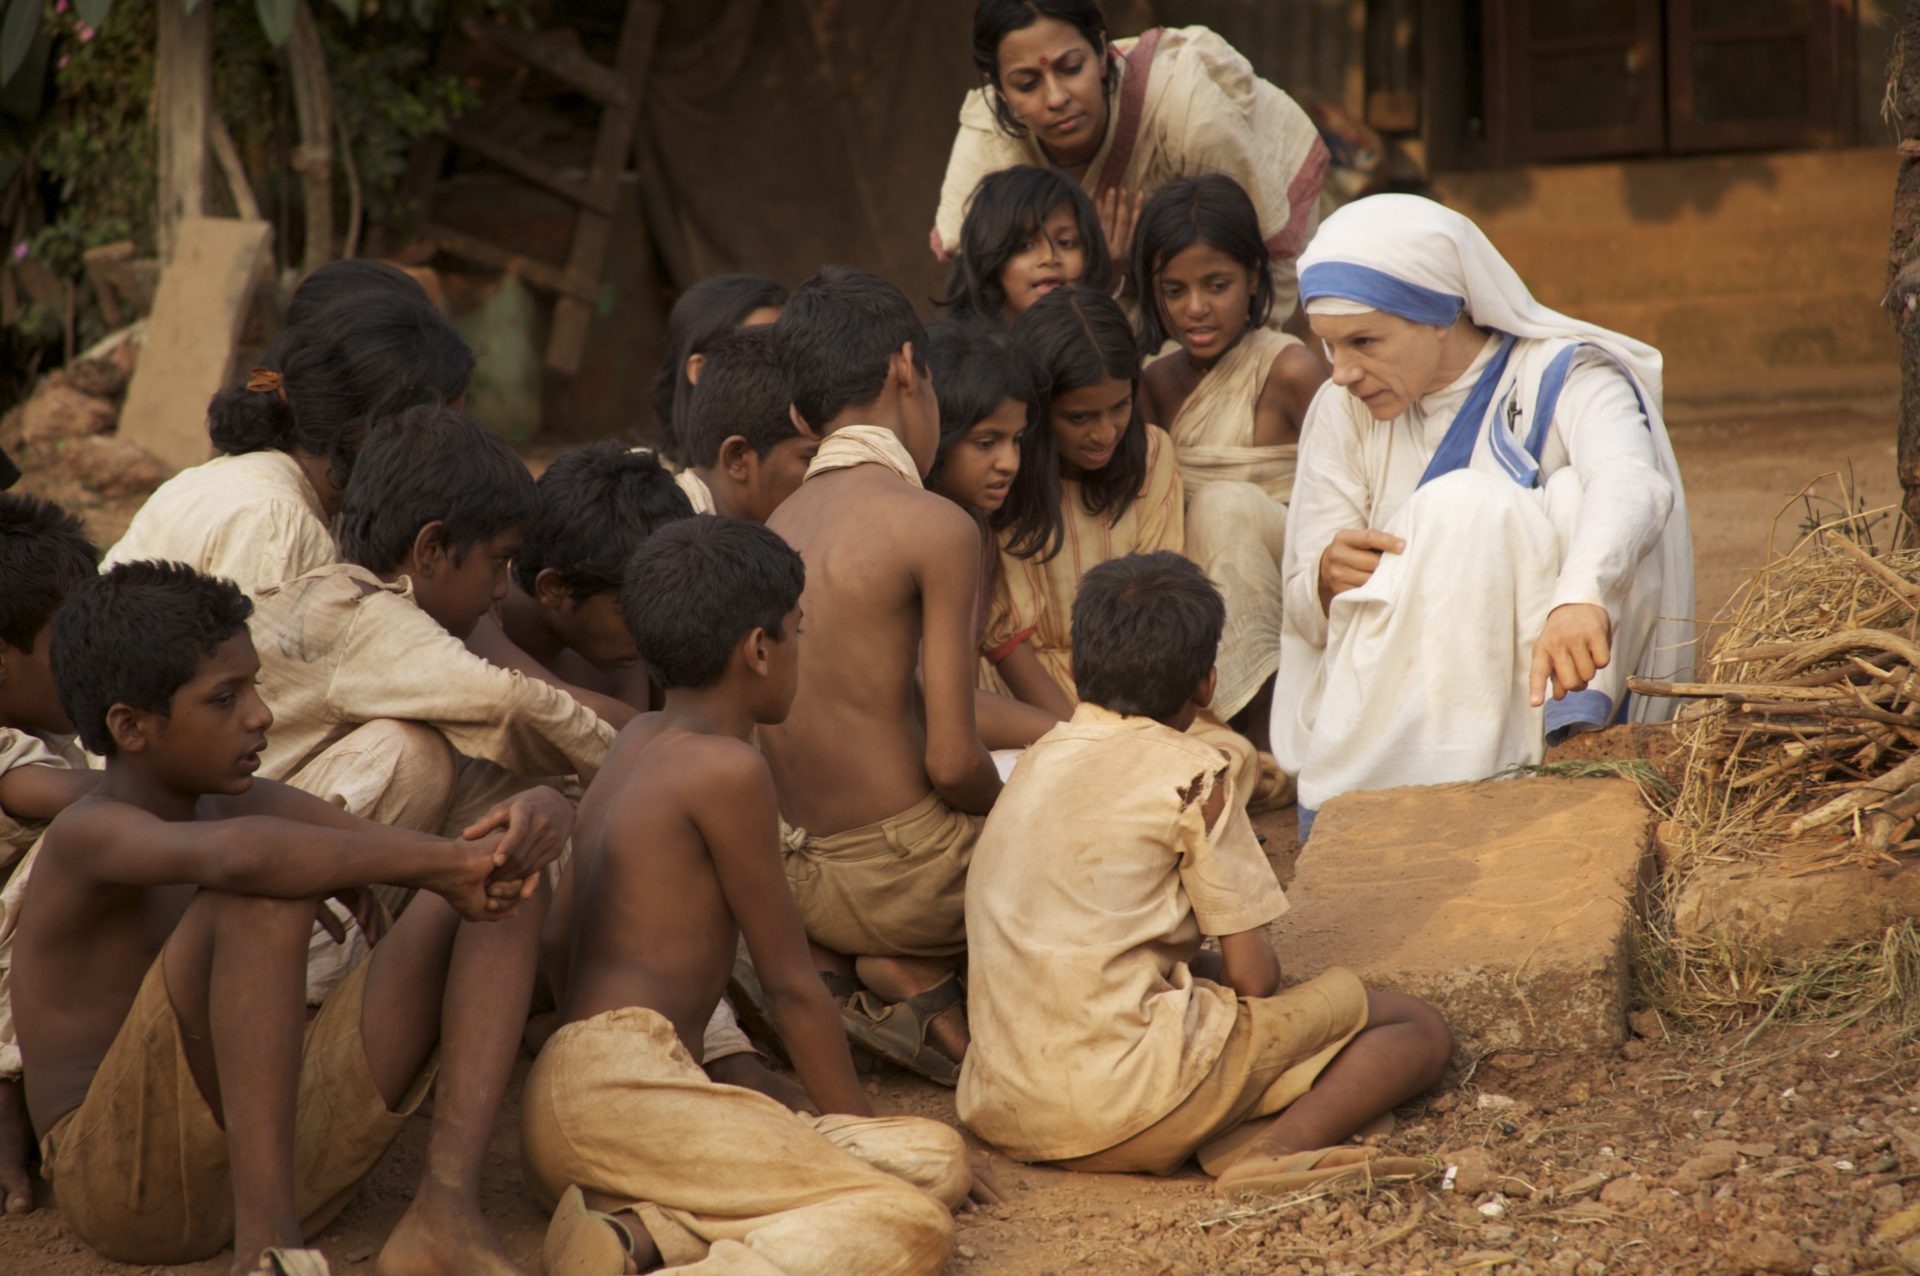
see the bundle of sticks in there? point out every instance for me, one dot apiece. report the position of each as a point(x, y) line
point(1808, 726)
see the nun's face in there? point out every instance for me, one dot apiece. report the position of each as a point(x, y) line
point(1386, 362)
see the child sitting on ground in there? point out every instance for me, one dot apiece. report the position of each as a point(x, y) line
point(1028, 231)
point(1091, 950)
point(381, 708)
point(679, 858)
point(743, 454)
point(1096, 482)
point(185, 1103)
point(882, 776)
point(597, 505)
point(987, 391)
point(44, 556)
point(1233, 398)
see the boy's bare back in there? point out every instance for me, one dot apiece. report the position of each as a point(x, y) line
point(653, 924)
point(885, 561)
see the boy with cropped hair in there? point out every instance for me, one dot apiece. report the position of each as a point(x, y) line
point(382, 709)
point(598, 504)
point(185, 1103)
point(44, 556)
point(1096, 942)
point(744, 456)
point(679, 859)
point(882, 775)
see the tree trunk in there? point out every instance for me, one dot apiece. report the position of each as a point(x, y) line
point(313, 158)
point(1903, 256)
point(183, 102)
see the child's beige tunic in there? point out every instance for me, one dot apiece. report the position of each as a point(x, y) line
point(339, 648)
point(1036, 598)
point(1237, 498)
point(19, 839)
point(726, 1179)
point(253, 518)
point(1092, 885)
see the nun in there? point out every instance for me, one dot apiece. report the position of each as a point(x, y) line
point(1488, 532)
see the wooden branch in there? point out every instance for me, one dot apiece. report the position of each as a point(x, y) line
point(473, 248)
point(232, 169)
point(1861, 795)
point(313, 158)
point(570, 66)
point(1893, 580)
point(183, 101)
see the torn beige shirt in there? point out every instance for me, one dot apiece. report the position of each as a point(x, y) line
point(340, 647)
point(19, 840)
point(1091, 887)
point(253, 518)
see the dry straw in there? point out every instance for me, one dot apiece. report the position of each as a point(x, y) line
point(1800, 751)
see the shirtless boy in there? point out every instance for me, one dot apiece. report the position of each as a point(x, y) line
point(882, 778)
point(44, 555)
point(678, 856)
point(744, 455)
point(184, 1102)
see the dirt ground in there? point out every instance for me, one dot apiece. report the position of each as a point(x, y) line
point(1779, 1152)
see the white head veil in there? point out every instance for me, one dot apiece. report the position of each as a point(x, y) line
point(1411, 257)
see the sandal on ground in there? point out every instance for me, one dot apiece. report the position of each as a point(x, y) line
point(1345, 1165)
point(1217, 1155)
point(293, 1262)
point(584, 1242)
point(897, 1031)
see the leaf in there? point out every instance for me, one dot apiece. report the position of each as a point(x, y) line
point(17, 31)
point(188, 6)
point(276, 19)
point(351, 8)
point(93, 12)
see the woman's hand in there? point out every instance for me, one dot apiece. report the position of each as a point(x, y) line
point(940, 253)
point(1349, 562)
point(1119, 211)
point(1576, 643)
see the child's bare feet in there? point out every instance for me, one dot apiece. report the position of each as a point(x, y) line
point(443, 1234)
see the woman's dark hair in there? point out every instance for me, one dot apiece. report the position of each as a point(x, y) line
point(373, 354)
point(347, 279)
point(1213, 210)
point(1007, 209)
point(1078, 337)
point(975, 369)
point(995, 20)
point(706, 312)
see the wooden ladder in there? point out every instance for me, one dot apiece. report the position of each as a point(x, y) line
point(576, 286)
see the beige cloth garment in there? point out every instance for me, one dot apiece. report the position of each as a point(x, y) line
point(1037, 597)
point(1278, 1047)
point(852, 445)
point(896, 888)
point(698, 493)
point(140, 1167)
point(1237, 498)
point(1197, 107)
point(340, 648)
point(30, 748)
point(727, 1180)
point(252, 518)
point(1091, 887)
point(19, 840)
